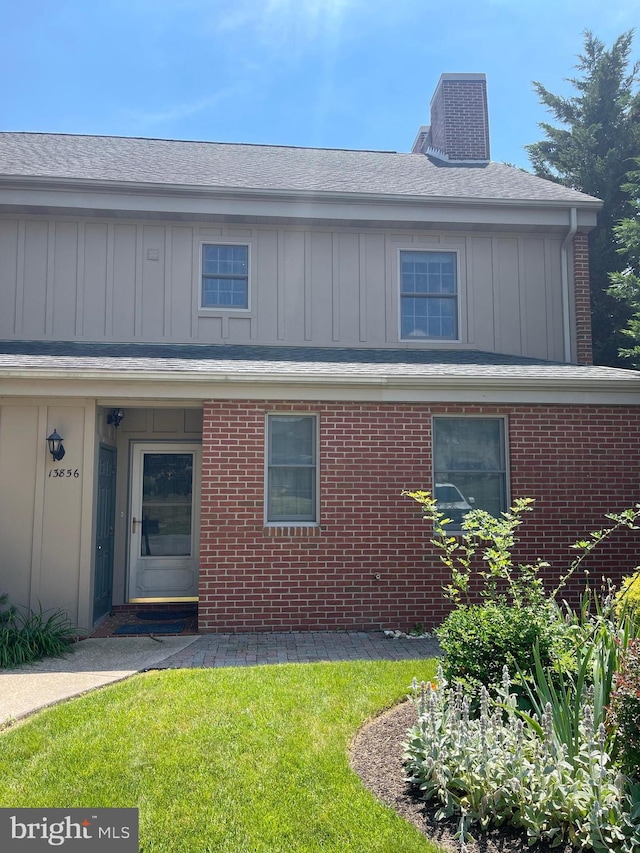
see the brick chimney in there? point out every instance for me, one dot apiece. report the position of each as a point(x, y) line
point(459, 130)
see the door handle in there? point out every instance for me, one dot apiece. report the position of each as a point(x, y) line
point(134, 522)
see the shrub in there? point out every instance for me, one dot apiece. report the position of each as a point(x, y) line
point(483, 552)
point(507, 767)
point(516, 613)
point(26, 636)
point(624, 712)
point(628, 597)
point(478, 640)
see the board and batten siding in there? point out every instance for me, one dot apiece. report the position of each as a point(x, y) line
point(62, 279)
point(46, 509)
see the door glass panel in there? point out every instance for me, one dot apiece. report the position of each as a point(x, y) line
point(166, 505)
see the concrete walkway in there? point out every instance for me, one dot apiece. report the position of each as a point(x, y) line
point(96, 662)
point(91, 664)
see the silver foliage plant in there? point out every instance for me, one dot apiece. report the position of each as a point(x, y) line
point(503, 766)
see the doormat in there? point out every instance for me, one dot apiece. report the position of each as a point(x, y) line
point(152, 628)
point(162, 615)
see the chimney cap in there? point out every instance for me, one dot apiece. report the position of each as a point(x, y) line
point(418, 142)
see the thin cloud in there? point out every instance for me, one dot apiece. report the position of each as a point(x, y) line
point(277, 22)
point(145, 120)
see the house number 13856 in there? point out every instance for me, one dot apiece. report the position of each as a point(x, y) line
point(64, 472)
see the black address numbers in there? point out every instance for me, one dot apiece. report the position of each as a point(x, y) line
point(65, 472)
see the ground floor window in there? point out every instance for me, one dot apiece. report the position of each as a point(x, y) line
point(291, 487)
point(469, 461)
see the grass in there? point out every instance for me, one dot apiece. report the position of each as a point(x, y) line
point(237, 760)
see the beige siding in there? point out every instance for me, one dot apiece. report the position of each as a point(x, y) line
point(507, 294)
point(9, 274)
point(64, 290)
point(123, 300)
point(101, 280)
point(94, 302)
point(481, 318)
point(46, 521)
point(19, 433)
point(32, 295)
point(348, 258)
point(179, 284)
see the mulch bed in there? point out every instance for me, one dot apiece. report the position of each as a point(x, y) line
point(376, 756)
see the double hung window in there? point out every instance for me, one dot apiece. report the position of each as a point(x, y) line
point(225, 276)
point(292, 476)
point(428, 295)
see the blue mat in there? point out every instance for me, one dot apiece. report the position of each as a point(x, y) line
point(162, 615)
point(152, 628)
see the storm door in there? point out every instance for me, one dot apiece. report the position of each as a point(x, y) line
point(164, 522)
point(105, 514)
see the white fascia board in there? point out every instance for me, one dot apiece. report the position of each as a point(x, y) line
point(470, 388)
point(206, 202)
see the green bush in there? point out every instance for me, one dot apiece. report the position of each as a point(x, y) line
point(26, 636)
point(628, 597)
point(479, 640)
point(624, 711)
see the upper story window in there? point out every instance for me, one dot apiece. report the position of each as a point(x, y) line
point(428, 295)
point(225, 276)
point(292, 475)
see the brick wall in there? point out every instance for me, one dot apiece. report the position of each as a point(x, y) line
point(577, 462)
point(459, 118)
point(582, 292)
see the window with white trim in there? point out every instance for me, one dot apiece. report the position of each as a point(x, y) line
point(428, 295)
point(292, 469)
point(469, 466)
point(225, 276)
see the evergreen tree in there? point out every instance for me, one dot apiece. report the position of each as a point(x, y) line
point(625, 285)
point(593, 153)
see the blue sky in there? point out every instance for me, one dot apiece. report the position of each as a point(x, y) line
point(329, 73)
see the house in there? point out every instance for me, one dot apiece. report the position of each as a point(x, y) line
point(248, 351)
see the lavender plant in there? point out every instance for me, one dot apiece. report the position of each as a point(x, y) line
point(505, 766)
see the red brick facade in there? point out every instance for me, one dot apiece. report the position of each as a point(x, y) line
point(370, 564)
point(582, 293)
point(460, 118)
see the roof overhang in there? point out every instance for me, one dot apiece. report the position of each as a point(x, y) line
point(180, 385)
point(133, 200)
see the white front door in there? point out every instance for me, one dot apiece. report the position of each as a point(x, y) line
point(164, 522)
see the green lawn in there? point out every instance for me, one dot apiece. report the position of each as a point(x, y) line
point(238, 760)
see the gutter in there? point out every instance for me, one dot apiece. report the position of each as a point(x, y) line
point(95, 185)
point(605, 378)
point(564, 269)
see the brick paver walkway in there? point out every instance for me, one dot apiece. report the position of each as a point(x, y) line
point(211, 650)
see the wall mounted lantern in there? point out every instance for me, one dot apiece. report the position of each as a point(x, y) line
point(115, 416)
point(56, 448)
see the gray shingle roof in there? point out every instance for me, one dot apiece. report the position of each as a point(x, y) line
point(266, 167)
point(277, 363)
